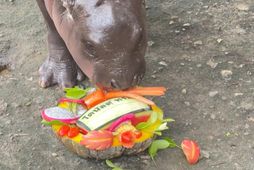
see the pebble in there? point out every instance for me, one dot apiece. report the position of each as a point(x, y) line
point(54, 154)
point(177, 31)
point(226, 73)
point(238, 94)
point(150, 43)
point(171, 22)
point(219, 40)
point(199, 42)
point(153, 76)
point(205, 154)
point(163, 63)
point(212, 64)
point(249, 73)
point(184, 91)
point(186, 25)
point(174, 17)
point(213, 93)
point(187, 103)
point(3, 106)
point(246, 126)
point(199, 65)
point(213, 116)
point(242, 7)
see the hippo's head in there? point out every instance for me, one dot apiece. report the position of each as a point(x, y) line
point(110, 35)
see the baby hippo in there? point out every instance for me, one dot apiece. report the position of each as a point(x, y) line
point(104, 39)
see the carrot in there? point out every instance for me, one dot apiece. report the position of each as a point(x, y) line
point(94, 98)
point(116, 94)
point(147, 91)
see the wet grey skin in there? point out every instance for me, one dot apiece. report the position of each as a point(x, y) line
point(104, 39)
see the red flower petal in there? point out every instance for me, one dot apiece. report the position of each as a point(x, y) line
point(98, 140)
point(191, 151)
point(127, 139)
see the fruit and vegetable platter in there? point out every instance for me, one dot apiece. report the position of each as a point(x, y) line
point(104, 124)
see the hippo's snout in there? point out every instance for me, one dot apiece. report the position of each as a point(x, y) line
point(119, 79)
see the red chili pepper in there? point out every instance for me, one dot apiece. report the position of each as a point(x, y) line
point(63, 130)
point(73, 132)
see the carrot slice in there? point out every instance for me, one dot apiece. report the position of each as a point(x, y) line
point(94, 98)
point(116, 94)
point(147, 91)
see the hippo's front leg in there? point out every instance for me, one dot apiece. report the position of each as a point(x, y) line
point(59, 67)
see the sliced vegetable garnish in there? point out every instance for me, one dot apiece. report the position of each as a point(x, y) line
point(150, 121)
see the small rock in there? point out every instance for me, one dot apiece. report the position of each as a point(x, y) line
point(30, 79)
point(163, 63)
point(199, 42)
point(242, 7)
point(54, 154)
point(177, 31)
point(28, 103)
point(153, 76)
point(213, 116)
point(213, 93)
point(150, 43)
point(249, 73)
point(224, 98)
point(212, 64)
point(205, 154)
point(226, 74)
point(186, 25)
point(199, 65)
point(187, 103)
point(1, 133)
point(246, 126)
point(3, 106)
point(238, 94)
point(160, 68)
point(184, 91)
point(246, 133)
point(171, 22)
point(174, 17)
point(219, 40)
point(182, 64)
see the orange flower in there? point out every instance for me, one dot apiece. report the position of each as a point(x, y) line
point(191, 151)
point(127, 138)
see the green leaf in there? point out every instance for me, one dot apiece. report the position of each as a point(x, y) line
point(76, 92)
point(157, 133)
point(172, 143)
point(157, 145)
point(53, 122)
point(152, 120)
point(117, 168)
point(112, 165)
point(168, 120)
point(162, 127)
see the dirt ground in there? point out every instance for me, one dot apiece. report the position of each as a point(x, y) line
point(201, 50)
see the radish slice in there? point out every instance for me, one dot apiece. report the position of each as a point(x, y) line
point(119, 121)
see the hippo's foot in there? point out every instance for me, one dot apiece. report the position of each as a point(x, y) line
point(64, 74)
